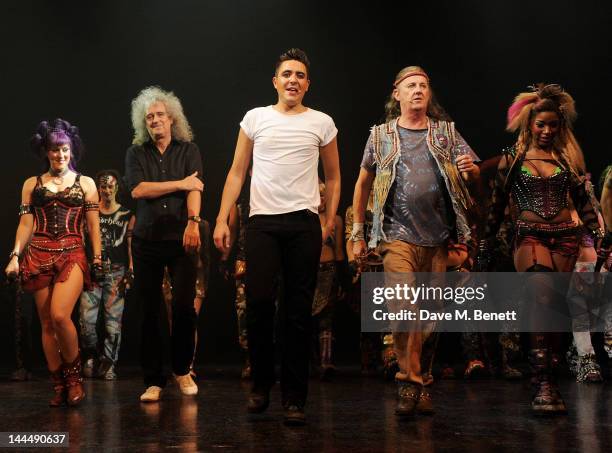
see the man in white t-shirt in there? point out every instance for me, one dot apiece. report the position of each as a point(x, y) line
point(284, 234)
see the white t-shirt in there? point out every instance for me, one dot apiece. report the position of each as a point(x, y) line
point(286, 158)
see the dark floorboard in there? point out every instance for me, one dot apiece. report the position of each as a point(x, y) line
point(350, 414)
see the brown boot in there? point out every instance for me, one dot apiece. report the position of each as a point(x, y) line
point(74, 381)
point(408, 394)
point(425, 405)
point(57, 379)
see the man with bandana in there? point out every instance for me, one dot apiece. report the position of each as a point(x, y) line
point(417, 165)
point(116, 224)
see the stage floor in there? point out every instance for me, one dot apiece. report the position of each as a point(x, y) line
point(350, 414)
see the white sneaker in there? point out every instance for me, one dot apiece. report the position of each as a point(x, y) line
point(186, 384)
point(151, 394)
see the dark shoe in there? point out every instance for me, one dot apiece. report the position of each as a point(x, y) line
point(408, 395)
point(57, 379)
point(20, 375)
point(74, 381)
point(110, 374)
point(104, 365)
point(425, 405)
point(258, 401)
point(588, 369)
point(547, 399)
point(294, 415)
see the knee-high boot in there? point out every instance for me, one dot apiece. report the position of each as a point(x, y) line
point(73, 381)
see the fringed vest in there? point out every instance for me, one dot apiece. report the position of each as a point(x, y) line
point(440, 142)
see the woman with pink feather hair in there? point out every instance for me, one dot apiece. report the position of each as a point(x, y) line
point(538, 176)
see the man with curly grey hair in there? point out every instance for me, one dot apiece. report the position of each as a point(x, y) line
point(163, 170)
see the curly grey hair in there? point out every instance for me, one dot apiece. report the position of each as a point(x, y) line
point(181, 130)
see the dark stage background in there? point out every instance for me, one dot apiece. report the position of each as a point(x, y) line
point(85, 62)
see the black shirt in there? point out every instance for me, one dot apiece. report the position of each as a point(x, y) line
point(113, 235)
point(163, 218)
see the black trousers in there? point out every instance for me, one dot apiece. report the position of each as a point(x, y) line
point(289, 246)
point(150, 258)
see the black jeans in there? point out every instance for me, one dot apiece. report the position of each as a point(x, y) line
point(150, 258)
point(288, 245)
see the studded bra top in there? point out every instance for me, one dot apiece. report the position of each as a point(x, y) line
point(58, 214)
point(544, 196)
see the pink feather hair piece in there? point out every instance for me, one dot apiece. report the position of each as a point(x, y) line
point(520, 102)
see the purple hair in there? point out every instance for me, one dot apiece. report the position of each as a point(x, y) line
point(57, 132)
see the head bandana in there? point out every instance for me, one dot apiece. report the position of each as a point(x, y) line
point(410, 74)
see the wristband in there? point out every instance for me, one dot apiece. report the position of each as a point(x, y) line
point(25, 209)
point(358, 233)
point(91, 206)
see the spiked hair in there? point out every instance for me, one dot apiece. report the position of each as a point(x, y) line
point(547, 98)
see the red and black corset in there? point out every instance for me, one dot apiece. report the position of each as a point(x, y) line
point(58, 214)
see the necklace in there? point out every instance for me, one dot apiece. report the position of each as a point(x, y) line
point(57, 178)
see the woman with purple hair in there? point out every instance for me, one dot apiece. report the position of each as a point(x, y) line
point(49, 256)
point(538, 176)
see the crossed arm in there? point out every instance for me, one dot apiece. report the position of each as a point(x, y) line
point(155, 189)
